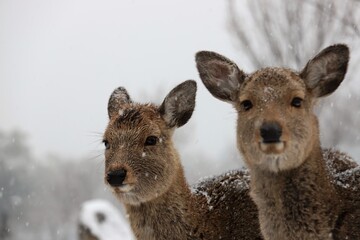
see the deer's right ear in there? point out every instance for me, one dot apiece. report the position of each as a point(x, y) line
point(117, 99)
point(179, 104)
point(220, 75)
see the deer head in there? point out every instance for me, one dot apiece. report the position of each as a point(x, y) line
point(276, 127)
point(140, 160)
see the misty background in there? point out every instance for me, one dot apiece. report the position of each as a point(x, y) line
point(60, 61)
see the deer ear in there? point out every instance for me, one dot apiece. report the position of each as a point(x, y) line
point(324, 73)
point(179, 104)
point(220, 75)
point(117, 99)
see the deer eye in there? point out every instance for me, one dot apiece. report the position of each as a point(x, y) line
point(246, 105)
point(151, 140)
point(296, 102)
point(106, 144)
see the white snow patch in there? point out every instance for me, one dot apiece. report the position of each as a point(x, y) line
point(268, 90)
point(269, 94)
point(208, 198)
point(104, 221)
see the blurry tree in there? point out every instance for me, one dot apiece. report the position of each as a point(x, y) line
point(4, 227)
point(288, 33)
point(14, 159)
point(40, 199)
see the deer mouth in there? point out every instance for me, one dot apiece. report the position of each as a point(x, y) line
point(273, 147)
point(124, 188)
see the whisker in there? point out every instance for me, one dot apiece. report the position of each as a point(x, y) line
point(96, 156)
point(97, 141)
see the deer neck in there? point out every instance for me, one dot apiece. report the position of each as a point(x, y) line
point(296, 204)
point(165, 216)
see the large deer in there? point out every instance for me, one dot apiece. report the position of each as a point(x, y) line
point(278, 135)
point(143, 169)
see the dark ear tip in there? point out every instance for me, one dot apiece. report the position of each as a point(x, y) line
point(205, 55)
point(340, 48)
point(118, 90)
point(191, 83)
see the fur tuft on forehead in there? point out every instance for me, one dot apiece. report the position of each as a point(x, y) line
point(135, 114)
point(129, 116)
point(276, 77)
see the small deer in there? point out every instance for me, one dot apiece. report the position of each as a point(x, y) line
point(278, 135)
point(144, 171)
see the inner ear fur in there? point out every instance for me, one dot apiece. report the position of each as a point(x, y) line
point(324, 73)
point(220, 75)
point(179, 104)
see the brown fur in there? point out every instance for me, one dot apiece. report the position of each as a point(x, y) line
point(291, 185)
point(155, 193)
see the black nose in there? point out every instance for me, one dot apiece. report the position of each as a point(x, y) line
point(116, 178)
point(270, 132)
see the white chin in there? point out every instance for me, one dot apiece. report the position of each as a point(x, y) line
point(274, 148)
point(279, 162)
point(124, 188)
point(129, 198)
point(272, 162)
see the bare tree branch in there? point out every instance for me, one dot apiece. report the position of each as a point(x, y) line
point(287, 33)
point(291, 30)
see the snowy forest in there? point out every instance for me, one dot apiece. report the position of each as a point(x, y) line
point(41, 197)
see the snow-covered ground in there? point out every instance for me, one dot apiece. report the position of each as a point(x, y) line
point(104, 221)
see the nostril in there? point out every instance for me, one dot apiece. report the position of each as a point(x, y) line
point(116, 178)
point(271, 132)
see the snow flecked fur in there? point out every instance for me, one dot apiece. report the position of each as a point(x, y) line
point(144, 171)
point(301, 191)
point(227, 206)
point(344, 170)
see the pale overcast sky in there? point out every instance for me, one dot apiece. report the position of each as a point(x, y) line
point(60, 60)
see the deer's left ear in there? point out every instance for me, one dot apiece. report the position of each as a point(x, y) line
point(179, 104)
point(324, 73)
